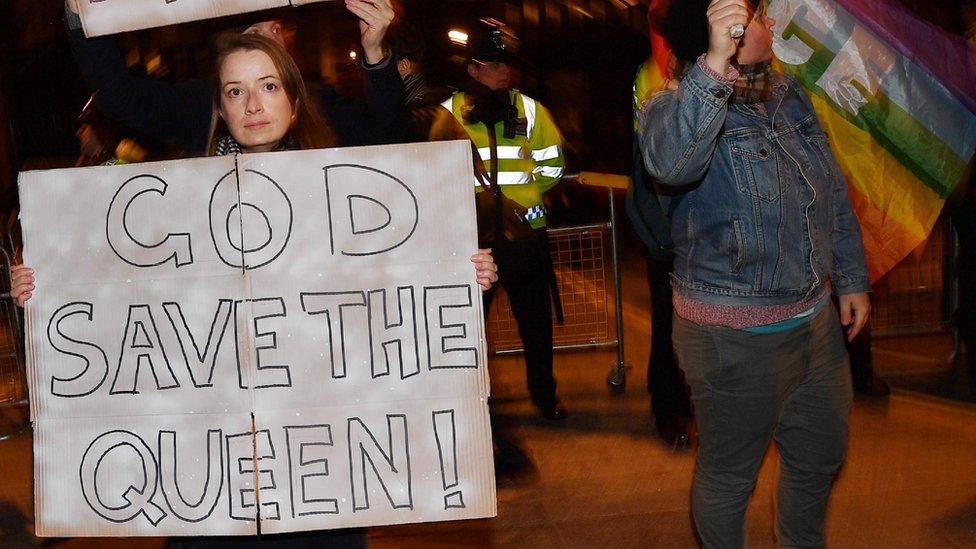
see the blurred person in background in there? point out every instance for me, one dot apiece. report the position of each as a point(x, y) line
point(962, 209)
point(101, 141)
point(755, 265)
point(409, 49)
point(863, 378)
point(649, 208)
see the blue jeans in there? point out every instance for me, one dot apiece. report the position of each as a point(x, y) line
point(793, 387)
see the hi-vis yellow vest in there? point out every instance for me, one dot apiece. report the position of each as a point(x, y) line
point(528, 165)
point(648, 81)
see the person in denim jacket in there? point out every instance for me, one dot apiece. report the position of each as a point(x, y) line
point(762, 235)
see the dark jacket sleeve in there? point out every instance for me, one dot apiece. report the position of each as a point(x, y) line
point(175, 113)
point(379, 119)
point(647, 215)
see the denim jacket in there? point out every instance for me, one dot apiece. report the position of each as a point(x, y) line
point(767, 220)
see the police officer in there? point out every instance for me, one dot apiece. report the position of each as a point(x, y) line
point(521, 150)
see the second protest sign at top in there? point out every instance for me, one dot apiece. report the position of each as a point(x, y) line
point(100, 17)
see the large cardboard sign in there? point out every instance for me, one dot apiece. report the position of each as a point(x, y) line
point(284, 341)
point(100, 17)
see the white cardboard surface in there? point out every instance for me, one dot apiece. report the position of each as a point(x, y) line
point(99, 17)
point(339, 314)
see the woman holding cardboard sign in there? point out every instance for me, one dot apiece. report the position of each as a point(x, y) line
point(261, 105)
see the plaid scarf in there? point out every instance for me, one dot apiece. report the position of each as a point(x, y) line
point(228, 145)
point(754, 84)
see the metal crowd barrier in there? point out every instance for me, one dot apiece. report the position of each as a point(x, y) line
point(583, 273)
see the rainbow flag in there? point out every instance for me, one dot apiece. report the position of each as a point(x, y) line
point(896, 95)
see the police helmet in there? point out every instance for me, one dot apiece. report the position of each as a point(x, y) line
point(492, 41)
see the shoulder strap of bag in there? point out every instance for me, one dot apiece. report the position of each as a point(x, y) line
point(493, 179)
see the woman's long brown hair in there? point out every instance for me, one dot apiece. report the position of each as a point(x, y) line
point(309, 130)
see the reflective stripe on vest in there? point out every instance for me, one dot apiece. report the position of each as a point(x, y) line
point(548, 153)
point(510, 152)
point(506, 152)
point(549, 171)
point(529, 105)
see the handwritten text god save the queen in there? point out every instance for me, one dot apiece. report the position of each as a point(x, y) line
point(283, 341)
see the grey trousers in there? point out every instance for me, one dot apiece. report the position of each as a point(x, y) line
point(793, 387)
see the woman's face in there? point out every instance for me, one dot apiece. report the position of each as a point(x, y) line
point(253, 101)
point(757, 43)
point(496, 76)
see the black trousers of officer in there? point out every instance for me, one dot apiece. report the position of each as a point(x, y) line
point(524, 270)
point(665, 382)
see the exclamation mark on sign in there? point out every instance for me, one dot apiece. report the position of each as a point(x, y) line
point(446, 437)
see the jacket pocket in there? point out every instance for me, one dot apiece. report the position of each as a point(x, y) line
point(755, 170)
point(737, 246)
